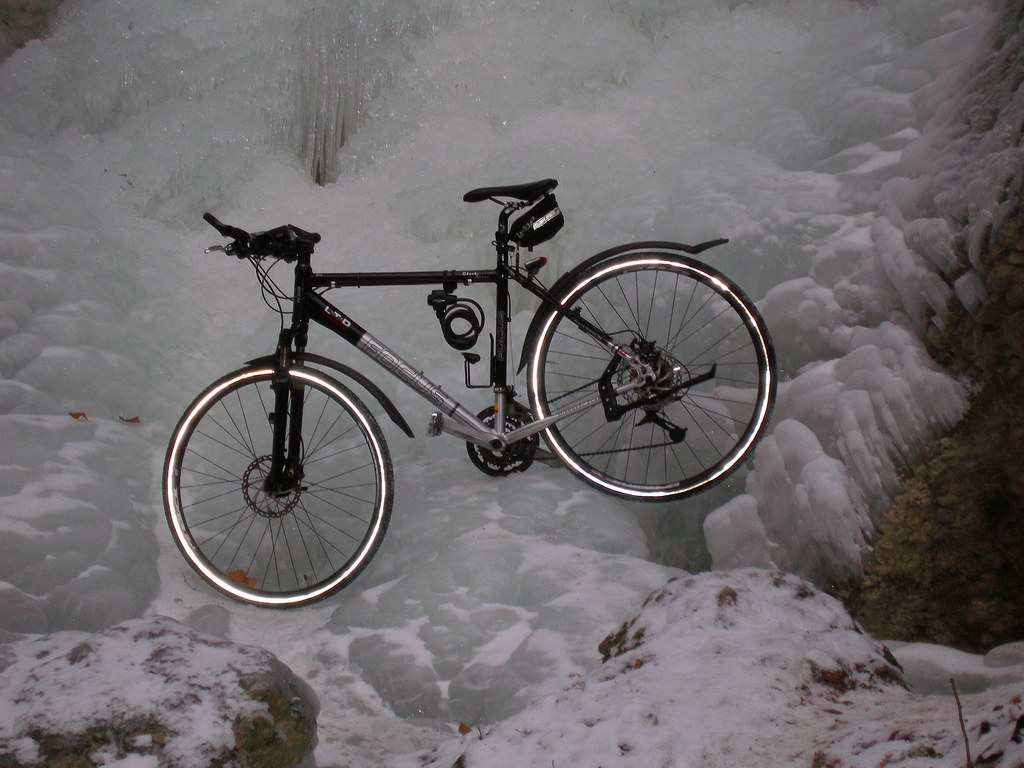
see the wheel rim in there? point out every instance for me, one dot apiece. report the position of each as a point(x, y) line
point(276, 550)
point(693, 319)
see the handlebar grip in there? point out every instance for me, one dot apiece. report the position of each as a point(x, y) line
point(226, 229)
point(287, 242)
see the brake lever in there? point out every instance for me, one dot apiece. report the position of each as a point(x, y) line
point(235, 249)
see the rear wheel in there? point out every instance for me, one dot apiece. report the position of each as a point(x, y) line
point(291, 546)
point(697, 402)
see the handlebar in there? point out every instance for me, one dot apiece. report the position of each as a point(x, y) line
point(286, 242)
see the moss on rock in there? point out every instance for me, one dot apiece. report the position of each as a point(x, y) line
point(947, 566)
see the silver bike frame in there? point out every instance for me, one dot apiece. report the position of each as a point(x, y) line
point(455, 419)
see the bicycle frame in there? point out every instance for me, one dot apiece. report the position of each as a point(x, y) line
point(452, 417)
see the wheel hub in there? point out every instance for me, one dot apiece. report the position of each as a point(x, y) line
point(662, 377)
point(257, 499)
point(668, 378)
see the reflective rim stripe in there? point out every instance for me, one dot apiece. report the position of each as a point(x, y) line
point(182, 534)
point(766, 376)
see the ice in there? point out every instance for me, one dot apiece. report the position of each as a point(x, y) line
point(935, 669)
point(809, 522)
point(75, 549)
point(970, 291)
point(347, 56)
point(851, 152)
point(844, 429)
point(497, 597)
point(737, 525)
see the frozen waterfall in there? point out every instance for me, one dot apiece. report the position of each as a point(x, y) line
point(851, 152)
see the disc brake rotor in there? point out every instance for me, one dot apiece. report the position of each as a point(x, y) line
point(258, 500)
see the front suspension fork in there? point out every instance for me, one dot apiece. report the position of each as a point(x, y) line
point(286, 471)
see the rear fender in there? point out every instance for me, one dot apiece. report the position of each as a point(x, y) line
point(566, 281)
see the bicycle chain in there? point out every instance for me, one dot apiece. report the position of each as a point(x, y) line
point(627, 450)
point(613, 450)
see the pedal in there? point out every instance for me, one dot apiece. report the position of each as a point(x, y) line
point(434, 425)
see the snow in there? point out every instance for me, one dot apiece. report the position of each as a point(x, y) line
point(849, 151)
point(743, 668)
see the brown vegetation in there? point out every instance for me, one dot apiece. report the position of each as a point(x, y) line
point(948, 564)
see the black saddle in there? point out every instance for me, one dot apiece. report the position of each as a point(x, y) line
point(529, 192)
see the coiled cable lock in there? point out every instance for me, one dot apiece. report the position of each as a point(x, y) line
point(461, 320)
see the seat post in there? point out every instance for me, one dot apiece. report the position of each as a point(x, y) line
point(499, 358)
point(501, 235)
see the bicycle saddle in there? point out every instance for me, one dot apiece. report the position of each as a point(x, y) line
point(529, 192)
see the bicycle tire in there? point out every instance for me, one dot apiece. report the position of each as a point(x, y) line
point(701, 329)
point(282, 551)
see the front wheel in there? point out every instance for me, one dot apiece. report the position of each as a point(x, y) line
point(696, 396)
point(277, 547)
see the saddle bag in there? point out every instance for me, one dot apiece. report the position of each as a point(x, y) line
point(537, 225)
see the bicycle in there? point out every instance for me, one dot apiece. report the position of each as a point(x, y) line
point(650, 375)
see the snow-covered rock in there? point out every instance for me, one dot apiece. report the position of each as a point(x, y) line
point(743, 668)
point(150, 692)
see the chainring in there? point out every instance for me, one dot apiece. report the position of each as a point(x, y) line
point(517, 457)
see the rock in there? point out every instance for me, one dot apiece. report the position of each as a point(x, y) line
point(947, 566)
point(150, 686)
point(1013, 333)
point(1001, 277)
point(21, 21)
point(743, 668)
point(735, 606)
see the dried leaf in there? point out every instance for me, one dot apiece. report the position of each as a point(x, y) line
point(132, 420)
point(242, 577)
point(77, 415)
point(464, 729)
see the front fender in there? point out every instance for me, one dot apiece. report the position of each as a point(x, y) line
point(349, 373)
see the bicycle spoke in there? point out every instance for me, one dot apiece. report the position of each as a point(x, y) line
point(240, 511)
point(218, 497)
point(705, 357)
point(345, 511)
point(321, 540)
point(291, 546)
point(225, 445)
